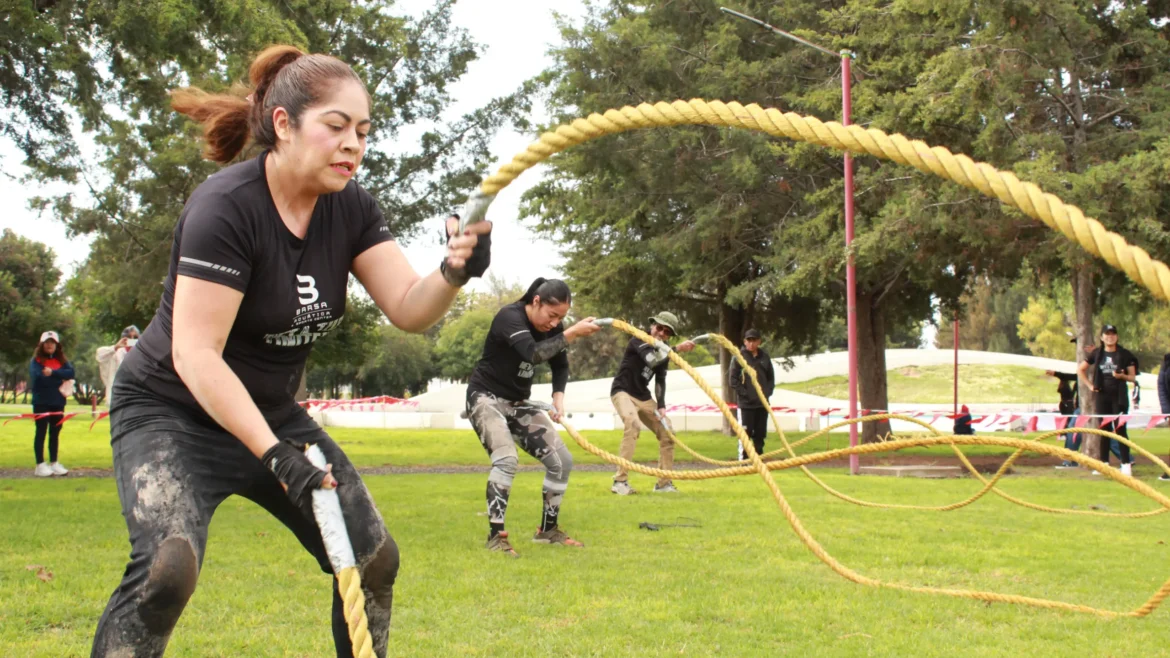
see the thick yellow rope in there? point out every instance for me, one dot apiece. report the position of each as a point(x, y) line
point(764, 469)
point(1004, 186)
point(349, 583)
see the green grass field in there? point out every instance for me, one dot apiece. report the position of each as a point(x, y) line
point(978, 384)
point(742, 585)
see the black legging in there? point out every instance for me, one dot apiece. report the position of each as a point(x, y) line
point(51, 426)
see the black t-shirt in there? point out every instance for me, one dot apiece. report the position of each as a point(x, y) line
point(510, 356)
point(1105, 364)
point(635, 372)
point(230, 233)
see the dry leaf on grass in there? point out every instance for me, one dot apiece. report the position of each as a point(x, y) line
point(42, 573)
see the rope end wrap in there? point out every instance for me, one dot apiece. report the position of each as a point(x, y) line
point(327, 510)
point(603, 322)
point(475, 210)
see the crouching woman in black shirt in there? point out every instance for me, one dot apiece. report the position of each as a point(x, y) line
point(203, 407)
point(524, 334)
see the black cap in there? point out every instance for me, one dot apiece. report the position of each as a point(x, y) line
point(1109, 329)
point(751, 333)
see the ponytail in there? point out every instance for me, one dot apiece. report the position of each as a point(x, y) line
point(550, 291)
point(281, 76)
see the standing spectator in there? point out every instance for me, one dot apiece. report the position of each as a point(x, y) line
point(631, 398)
point(51, 378)
point(110, 358)
point(1070, 405)
point(1164, 395)
point(753, 412)
point(1113, 366)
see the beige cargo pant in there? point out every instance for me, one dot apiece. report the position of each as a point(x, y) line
point(631, 410)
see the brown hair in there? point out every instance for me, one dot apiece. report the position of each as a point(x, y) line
point(40, 356)
point(281, 76)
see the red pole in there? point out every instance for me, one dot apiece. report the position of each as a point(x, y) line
point(850, 270)
point(956, 371)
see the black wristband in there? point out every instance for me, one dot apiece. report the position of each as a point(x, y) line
point(295, 471)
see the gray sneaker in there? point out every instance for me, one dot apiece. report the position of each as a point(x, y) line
point(500, 543)
point(555, 535)
point(665, 488)
point(622, 489)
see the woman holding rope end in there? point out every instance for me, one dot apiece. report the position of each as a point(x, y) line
point(203, 406)
point(523, 334)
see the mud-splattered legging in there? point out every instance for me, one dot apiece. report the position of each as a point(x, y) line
point(501, 426)
point(172, 472)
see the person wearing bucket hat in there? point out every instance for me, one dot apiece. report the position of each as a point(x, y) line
point(51, 380)
point(630, 394)
point(753, 412)
point(110, 357)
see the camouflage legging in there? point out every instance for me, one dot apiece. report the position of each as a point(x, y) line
point(501, 426)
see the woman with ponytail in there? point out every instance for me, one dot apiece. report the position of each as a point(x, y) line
point(523, 334)
point(203, 407)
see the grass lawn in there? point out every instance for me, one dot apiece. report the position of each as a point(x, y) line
point(742, 585)
point(933, 385)
point(85, 448)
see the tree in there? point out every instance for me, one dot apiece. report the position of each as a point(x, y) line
point(990, 314)
point(682, 217)
point(1072, 95)
point(113, 63)
point(460, 343)
point(402, 364)
point(337, 360)
point(1045, 329)
point(30, 304)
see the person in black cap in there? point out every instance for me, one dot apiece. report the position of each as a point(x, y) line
point(753, 412)
point(1113, 366)
point(630, 394)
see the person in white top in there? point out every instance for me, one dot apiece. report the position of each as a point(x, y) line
point(110, 357)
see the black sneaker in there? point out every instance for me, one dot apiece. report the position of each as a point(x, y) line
point(1164, 477)
point(1067, 464)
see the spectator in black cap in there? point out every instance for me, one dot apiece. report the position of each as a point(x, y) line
point(753, 412)
point(1113, 366)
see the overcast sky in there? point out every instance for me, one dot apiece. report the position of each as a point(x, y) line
point(515, 43)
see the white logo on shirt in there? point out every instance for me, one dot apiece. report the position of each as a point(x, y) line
point(307, 289)
point(526, 370)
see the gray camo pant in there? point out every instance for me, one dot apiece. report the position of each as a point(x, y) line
point(501, 426)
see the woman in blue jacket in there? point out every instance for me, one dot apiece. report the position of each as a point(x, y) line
point(48, 371)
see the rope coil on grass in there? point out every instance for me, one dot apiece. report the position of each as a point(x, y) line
point(764, 469)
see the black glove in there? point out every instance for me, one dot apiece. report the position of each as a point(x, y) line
point(475, 266)
point(295, 471)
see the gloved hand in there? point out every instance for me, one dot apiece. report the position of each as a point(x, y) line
point(299, 477)
point(476, 263)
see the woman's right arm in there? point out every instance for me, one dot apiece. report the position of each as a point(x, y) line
point(204, 313)
point(534, 352)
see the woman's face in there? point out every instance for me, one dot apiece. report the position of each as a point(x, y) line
point(545, 317)
point(50, 347)
point(327, 148)
point(1109, 339)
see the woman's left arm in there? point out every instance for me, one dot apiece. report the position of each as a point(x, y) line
point(411, 302)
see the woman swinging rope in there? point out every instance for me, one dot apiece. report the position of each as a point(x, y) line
point(203, 407)
point(524, 334)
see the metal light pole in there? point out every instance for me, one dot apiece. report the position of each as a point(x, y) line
point(850, 270)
